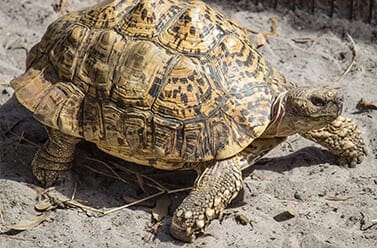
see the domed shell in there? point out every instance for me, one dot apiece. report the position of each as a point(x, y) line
point(157, 82)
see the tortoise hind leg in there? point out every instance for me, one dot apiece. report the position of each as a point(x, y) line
point(343, 138)
point(215, 187)
point(54, 157)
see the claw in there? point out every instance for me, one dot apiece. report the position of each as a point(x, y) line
point(185, 225)
point(200, 224)
point(210, 213)
point(181, 233)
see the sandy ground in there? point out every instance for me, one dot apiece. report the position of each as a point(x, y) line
point(298, 174)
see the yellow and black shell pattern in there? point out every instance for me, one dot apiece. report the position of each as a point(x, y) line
point(156, 82)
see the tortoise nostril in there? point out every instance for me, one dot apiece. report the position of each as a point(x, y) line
point(340, 99)
point(318, 101)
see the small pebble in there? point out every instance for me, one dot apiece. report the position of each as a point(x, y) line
point(297, 196)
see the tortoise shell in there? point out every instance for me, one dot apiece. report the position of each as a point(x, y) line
point(156, 82)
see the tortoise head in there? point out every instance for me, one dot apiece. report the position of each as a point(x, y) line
point(302, 109)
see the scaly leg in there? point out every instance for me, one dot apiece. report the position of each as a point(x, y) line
point(343, 138)
point(215, 187)
point(258, 148)
point(54, 157)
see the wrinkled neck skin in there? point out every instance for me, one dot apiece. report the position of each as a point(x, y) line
point(283, 123)
point(278, 126)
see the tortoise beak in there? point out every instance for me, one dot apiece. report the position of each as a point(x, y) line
point(339, 103)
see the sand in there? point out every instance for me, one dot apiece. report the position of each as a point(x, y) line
point(332, 206)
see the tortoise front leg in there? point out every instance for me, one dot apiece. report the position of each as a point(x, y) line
point(54, 157)
point(215, 187)
point(343, 138)
point(260, 147)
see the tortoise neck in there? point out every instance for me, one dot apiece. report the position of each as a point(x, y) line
point(280, 125)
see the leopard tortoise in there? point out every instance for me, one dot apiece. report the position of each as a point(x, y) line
point(171, 84)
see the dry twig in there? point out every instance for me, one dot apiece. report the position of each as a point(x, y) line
point(59, 6)
point(27, 225)
point(337, 198)
point(1, 214)
point(22, 138)
point(353, 61)
point(363, 222)
point(302, 40)
point(54, 202)
point(117, 176)
point(113, 210)
point(263, 37)
point(363, 105)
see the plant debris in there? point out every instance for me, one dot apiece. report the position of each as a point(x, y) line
point(59, 6)
point(262, 38)
point(27, 225)
point(337, 198)
point(255, 176)
point(363, 223)
point(1, 214)
point(286, 215)
point(302, 40)
point(159, 212)
point(243, 220)
point(44, 205)
point(353, 61)
point(140, 181)
point(364, 106)
point(129, 199)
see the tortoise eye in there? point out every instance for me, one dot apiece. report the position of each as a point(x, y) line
point(317, 101)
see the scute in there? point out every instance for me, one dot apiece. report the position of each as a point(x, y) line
point(60, 108)
point(186, 93)
point(65, 55)
point(100, 61)
point(140, 74)
point(57, 30)
point(106, 14)
point(196, 31)
point(148, 18)
point(245, 75)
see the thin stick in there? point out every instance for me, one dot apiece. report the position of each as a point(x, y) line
point(98, 171)
point(109, 167)
point(18, 238)
point(24, 139)
point(263, 37)
point(118, 177)
point(74, 203)
point(74, 192)
point(10, 127)
point(274, 28)
point(353, 49)
point(362, 223)
point(1, 215)
point(155, 182)
point(158, 185)
point(178, 190)
point(133, 203)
